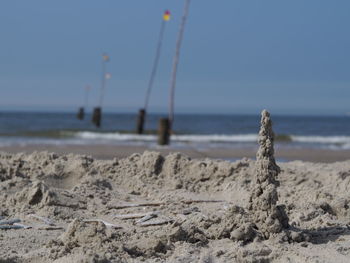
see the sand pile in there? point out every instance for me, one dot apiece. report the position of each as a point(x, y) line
point(154, 208)
point(268, 216)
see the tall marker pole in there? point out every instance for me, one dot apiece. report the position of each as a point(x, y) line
point(103, 79)
point(176, 62)
point(97, 114)
point(87, 92)
point(166, 124)
point(143, 112)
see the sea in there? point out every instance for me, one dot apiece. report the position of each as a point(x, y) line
point(202, 130)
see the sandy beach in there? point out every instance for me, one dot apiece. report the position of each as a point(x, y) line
point(140, 131)
point(160, 207)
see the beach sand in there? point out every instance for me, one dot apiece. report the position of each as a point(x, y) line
point(69, 189)
point(106, 152)
point(161, 206)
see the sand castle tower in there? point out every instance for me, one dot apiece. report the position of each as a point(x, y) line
point(267, 215)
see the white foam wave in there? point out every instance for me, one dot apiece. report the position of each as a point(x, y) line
point(329, 142)
point(344, 140)
point(216, 138)
point(115, 136)
point(346, 146)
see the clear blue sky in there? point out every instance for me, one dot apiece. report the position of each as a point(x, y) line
point(238, 56)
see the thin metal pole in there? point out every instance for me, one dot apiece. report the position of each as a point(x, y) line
point(155, 64)
point(87, 91)
point(103, 82)
point(176, 62)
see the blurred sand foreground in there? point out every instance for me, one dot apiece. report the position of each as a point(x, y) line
point(158, 208)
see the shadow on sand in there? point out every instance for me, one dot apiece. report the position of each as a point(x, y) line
point(323, 235)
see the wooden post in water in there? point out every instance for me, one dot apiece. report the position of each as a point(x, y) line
point(143, 112)
point(96, 116)
point(81, 113)
point(81, 110)
point(164, 131)
point(140, 121)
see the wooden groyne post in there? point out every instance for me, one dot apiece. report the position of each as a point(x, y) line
point(140, 121)
point(96, 116)
point(81, 113)
point(164, 131)
point(81, 110)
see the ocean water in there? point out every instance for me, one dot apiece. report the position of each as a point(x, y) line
point(331, 132)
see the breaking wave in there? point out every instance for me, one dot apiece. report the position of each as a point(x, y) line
point(177, 138)
point(340, 141)
point(122, 137)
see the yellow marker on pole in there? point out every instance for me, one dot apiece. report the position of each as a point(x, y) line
point(105, 57)
point(166, 15)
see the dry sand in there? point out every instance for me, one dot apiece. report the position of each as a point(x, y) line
point(70, 189)
point(155, 208)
